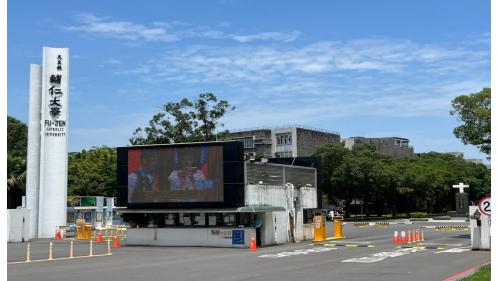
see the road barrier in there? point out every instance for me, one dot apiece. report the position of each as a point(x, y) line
point(452, 228)
point(52, 246)
point(379, 223)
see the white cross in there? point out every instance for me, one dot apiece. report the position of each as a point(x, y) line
point(461, 186)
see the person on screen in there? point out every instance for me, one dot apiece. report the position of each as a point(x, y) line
point(143, 179)
point(189, 177)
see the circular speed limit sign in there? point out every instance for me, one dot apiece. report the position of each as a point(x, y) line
point(485, 205)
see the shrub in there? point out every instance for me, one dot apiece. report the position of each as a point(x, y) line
point(451, 213)
point(418, 215)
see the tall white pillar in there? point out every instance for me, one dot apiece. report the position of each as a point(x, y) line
point(54, 135)
point(33, 155)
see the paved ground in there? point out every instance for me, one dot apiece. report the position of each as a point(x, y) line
point(301, 261)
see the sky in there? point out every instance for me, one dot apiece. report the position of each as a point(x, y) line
point(360, 68)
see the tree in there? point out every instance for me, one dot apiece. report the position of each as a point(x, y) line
point(475, 111)
point(397, 185)
point(17, 139)
point(184, 121)
point(92, 172)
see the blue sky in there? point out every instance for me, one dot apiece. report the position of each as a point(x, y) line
point(362, 68)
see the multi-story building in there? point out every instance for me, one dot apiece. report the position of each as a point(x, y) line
point(281, 142)
point(392, 146)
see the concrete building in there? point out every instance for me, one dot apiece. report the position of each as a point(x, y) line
point(96, 210)
point(282, 142)
point(392, 146)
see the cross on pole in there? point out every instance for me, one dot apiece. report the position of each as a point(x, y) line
point(461, 187)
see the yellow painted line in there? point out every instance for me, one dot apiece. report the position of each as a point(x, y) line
point(68, 258)
point(330, 245)
point(351, 245)
point(371, 246)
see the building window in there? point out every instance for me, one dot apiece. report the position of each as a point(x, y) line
point(283, 139)
point(248, 142)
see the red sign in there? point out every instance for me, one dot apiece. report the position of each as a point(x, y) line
point(485, 205)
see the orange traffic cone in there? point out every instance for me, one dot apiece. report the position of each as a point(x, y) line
point(417, 235)
point(58, 235)
point(410, 237)
point(395, 238)
point(253, 245)
point(403, 237)
point(99, 237)
point(116, 242)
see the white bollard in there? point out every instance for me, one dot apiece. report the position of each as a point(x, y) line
point(109, 247)
point(91, 250)
point(71, 249)
point(50, 251)
point(28, 253)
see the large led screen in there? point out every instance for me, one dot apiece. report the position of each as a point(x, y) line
point(175, 174)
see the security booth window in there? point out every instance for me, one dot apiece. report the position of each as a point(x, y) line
point(229, 219)
point(170, 219)
point(214, 219)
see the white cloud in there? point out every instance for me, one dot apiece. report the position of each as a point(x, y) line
point(160, 31)
point(122, 29)
point(274, 36)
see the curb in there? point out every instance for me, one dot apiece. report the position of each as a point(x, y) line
point(466, 273)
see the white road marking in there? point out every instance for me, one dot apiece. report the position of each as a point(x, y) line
point(439, 244)
point(298, 252)
point(455, 250)
point(384, 255)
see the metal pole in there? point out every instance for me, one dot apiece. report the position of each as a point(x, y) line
point(91, 252)
point(28, 253)
point(50, 250)
point(71, 249)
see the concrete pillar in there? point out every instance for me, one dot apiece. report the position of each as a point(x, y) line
point(33, 153)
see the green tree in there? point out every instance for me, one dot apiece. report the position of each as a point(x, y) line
point(92, 172)
point(184, 121)
point(475, 112)
point(396, 185)
point(17, 139)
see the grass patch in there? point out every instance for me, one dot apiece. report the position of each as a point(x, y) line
point(483, 274)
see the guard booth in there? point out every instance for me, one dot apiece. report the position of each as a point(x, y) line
point(207, 194)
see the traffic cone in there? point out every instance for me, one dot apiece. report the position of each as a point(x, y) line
point(116, 242)
point(417, 235)
point(422, 240)
point(395, 238)
point(99, 237)
point(58, 235)
point(403, 237)
point(253, 245)
point(410, 237)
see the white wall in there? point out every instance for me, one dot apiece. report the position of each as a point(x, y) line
point(185, 237)
point(18, 221)
point(277, 228)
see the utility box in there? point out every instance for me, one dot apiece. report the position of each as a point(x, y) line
point(83, 231)
point(480, 233)
point(319, 227)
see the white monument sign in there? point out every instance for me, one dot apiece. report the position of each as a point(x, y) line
point(46, 190)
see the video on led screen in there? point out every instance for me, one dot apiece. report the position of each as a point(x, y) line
point(180, 174)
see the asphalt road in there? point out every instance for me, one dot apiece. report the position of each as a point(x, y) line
point(447, 253)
